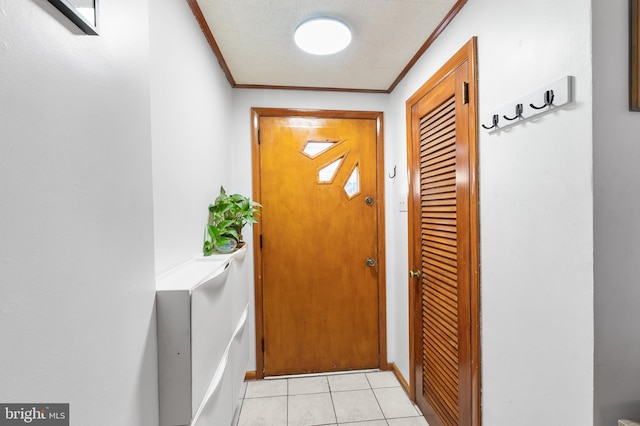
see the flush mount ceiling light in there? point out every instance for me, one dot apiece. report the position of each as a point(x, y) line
point(322, 36)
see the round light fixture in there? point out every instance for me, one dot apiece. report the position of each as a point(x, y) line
point(322, 36)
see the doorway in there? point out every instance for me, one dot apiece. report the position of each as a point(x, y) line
point(444, 297)
point(319, 257)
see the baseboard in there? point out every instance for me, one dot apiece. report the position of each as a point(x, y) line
point(252, 375)
point(393, 367)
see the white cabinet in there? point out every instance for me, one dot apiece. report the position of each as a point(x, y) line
point(202, 309)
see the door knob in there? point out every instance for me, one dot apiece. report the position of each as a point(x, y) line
point(416, 273)
point(370, 261)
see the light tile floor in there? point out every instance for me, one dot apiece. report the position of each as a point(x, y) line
point(355, 399)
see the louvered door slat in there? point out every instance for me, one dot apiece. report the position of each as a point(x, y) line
point(448, 384)
point(443, 199)
point(441, 412)
point(436, 232)
point(432, 234)
point(443, 149)
point(437, 136)
point(446, 324)
point(434, 124)
point(443, 169)
point(438, 221)
point(442, 269)
point(434, 190)
point(446, 249)
point(438, 180)
point(436, 143)
point(437, 285)
point(437, 116)
point(450, 376)
point(440, 327)
point(436, 147)
point(442, 247)
point(446, 300)
point(445, 266)
point(448, 368)
point(440, 194)
point(447, 317)
point(443, 402)
point(439, 147)
point(441, 231)
point(439, 261)
point(449, 258)
point(444, 332)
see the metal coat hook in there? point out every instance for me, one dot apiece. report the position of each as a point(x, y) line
point(519, 110)
point(548, 100)
point(494, 121)
point(394, 173)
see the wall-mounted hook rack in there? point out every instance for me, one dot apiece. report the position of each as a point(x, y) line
point(555, 95)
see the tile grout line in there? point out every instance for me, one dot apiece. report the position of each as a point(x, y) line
point(333, 404)
point(376, 398)
point(377, 402)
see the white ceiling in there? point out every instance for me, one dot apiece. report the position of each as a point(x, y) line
point(254, 40)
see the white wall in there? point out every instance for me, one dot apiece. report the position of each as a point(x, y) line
point(244, 100)
point(192, 140)
point(536, 211)
point(77, 289)
point(76, 282)
point(617, 231)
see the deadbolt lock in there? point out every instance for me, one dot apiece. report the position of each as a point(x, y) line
point(368, 201)
point(416, 273)
point(370, 261)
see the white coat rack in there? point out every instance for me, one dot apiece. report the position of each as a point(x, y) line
point(551, 97)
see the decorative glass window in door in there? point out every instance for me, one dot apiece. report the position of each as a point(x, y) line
point(352, 187)
point(328, 171)
point(314, 148)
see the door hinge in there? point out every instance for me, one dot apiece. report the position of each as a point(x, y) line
point(260, 241)
point(263, 345)
point(465, 92)
point(258, 136)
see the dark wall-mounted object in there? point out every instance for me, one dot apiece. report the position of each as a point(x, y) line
point(634, 55)
point(83, 13)
point(495, 118)
point(547, 99)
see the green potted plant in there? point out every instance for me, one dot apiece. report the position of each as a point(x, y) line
point(227, 216)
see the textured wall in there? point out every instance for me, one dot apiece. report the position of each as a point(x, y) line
point(77, 320)
point(192, 138)
point(616, 211)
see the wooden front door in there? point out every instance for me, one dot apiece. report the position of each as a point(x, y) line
point(320, 268)
point(444, 294)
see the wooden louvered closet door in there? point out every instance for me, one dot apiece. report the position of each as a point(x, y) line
point(442, 238)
